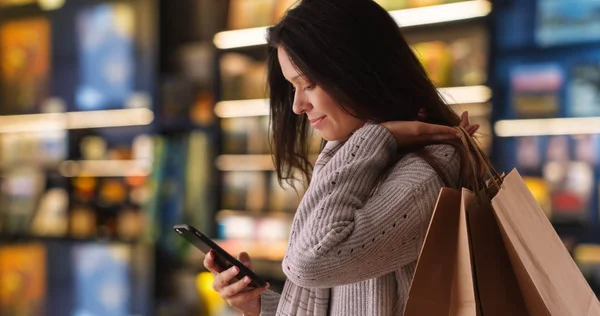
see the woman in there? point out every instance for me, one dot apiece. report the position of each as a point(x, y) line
point(343, 67)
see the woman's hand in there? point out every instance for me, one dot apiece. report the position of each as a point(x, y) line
point(235, 293)
point(410, 133)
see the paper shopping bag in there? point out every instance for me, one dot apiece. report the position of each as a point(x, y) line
point(497, 289)
point(443, 283)
point(550, 281)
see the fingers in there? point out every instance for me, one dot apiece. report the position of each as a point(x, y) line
point(244, 258)
point(243, 297)
point(471, 129)
point(233, 289)
point(464, 119)
point(209, 263)
point(223, 279)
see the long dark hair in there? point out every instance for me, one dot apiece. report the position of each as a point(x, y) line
point(354, 50)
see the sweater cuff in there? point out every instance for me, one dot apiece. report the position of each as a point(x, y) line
point(268, 303)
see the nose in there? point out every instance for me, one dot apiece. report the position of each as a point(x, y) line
point(301, 104)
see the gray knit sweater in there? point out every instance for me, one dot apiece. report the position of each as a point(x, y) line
point(353, 251)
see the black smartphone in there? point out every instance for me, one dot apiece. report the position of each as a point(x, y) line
point(221, 257)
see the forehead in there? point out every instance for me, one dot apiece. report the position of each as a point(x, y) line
point(287, 67)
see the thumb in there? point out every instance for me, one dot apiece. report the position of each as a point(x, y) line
point(244, 258)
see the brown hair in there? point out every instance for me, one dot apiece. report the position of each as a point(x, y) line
point(354, 50)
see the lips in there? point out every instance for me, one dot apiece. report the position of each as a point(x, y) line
point(317, 120)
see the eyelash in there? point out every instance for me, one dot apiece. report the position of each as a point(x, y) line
point(307, 88)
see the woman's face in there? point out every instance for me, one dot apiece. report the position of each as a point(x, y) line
point(324, 113)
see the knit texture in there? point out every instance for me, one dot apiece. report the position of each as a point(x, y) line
point(353, 247)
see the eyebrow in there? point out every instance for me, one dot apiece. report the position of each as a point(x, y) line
point(295, 77)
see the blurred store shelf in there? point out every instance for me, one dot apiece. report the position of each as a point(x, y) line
point(75, 120)
point(260, 107)
point(459, 11)
point(549, 126)
point(20, 238)
point(105, 168)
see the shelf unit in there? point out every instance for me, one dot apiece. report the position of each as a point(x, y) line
point(72, 181)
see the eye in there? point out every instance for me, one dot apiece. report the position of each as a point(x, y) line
point(310, 87)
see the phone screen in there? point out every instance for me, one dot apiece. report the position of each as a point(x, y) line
point(200, 242)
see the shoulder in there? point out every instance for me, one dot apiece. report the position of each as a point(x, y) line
point(412, 171)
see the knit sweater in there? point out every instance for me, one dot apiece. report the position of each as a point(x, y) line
point(353, 247)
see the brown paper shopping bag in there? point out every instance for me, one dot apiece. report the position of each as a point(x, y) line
point(550, 281)
point(436, 289)
point(497, 289)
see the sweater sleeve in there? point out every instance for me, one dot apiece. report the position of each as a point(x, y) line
point(347, 235)
point(268, 303)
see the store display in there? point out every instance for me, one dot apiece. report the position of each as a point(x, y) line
point(535, 90)
point(282, 6)
point(469, 61)
point(102, 282)
point(21, 190)
point(423, 3)
point(584, 90)
point(437, 60)
point(83, 222)
point(460, 62)
point(25, 54)
point(243, 77)
point(51, 218)
point(587, 149)
point(8, 3)
point(244, 191)
point(23, 275)
point(558, 149)
point(391, 5)
point(539, 189)
point(529, 155)
point(106, 56)
point(245, 135)
point(45, 149)
point(567, 22)
point(587, 257)
point(250, 13)
point(571, 185)
point(283, 198)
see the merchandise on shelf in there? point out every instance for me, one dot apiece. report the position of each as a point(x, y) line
point(391, 5)
point(102, 281)
point(567, 22)
point(106, 57)
point(250, 13)
point(245, 191)
point(535, 90)
point(25, 55)
point(584, 90)
point(460, 62)
point(245, 135)
point(243, 77)
point(23, 275)
point(7, 3)
point(282, 6)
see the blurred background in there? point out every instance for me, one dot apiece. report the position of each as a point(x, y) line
point(122, 118)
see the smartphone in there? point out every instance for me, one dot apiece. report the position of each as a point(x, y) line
point(222, 258)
